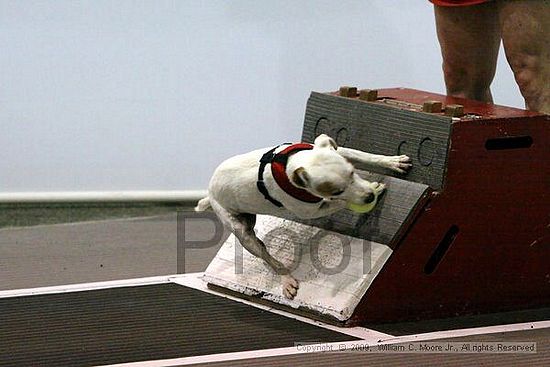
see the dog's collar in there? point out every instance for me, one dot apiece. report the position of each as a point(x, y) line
point(278, 163)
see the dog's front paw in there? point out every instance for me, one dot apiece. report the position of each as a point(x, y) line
point(399, 163)
point(290, 286)
point(377, 188)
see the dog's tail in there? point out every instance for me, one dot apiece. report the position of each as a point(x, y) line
point(203, 205)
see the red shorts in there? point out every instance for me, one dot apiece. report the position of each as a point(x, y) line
point(458, 2)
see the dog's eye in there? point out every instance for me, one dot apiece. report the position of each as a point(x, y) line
point(336, 193)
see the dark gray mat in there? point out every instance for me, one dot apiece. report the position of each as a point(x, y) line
point(23, 215)
point(463, 322)
point(139, 323)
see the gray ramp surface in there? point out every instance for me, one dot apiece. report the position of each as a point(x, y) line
point(389, 217)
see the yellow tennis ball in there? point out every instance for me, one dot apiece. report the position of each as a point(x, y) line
point(364, 208)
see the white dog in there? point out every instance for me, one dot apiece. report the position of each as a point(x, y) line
point(310, 181)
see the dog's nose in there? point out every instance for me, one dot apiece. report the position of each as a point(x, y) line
point(369, 198)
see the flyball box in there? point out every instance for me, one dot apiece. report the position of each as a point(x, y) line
point(466, 231)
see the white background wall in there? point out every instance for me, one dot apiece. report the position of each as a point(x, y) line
point(124, 95)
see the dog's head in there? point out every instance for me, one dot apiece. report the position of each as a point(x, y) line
point(325, 173)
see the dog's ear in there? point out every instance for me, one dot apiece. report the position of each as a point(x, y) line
point(300, 177)
point(325, 141)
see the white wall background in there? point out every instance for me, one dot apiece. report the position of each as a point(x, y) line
point(124, 95)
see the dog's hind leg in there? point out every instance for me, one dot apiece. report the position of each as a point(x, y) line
point(242, 225)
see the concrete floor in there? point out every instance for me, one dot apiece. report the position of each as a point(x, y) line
point(58, 254)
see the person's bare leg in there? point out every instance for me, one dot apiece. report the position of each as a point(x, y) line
point(525, 27)
point(470, 38)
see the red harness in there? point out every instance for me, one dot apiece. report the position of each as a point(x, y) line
point(278, 170)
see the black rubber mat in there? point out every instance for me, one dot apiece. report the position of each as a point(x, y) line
point(132, 324)
point(462, 322)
